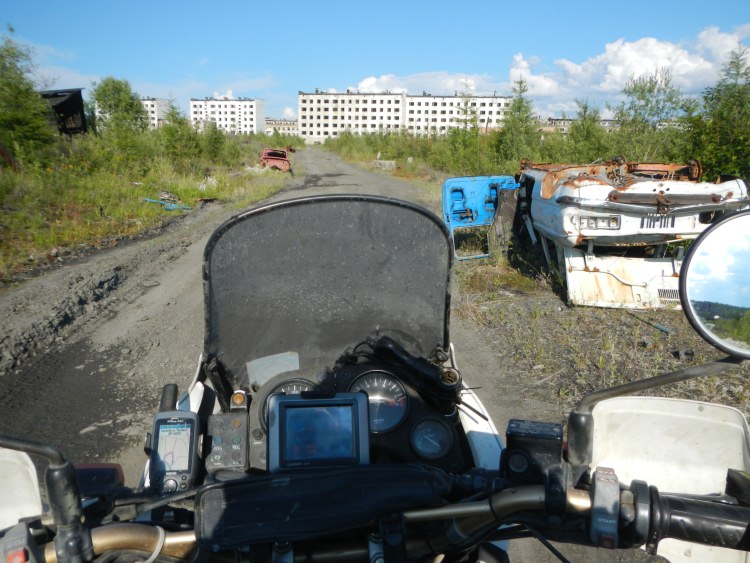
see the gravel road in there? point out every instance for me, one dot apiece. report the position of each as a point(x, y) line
point(86, 348)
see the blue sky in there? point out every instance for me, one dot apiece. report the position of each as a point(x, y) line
point(719, 271)
point(272, 50)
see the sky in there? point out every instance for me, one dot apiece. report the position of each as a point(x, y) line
point(718, 270)
point(585, 50)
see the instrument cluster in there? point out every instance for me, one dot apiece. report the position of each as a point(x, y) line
point(403, 427)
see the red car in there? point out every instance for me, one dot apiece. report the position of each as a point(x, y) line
point(275, 159)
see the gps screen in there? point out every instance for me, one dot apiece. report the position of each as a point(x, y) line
point(174, 444)
point(317, 433)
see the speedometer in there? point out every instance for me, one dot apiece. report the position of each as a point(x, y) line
point(288, 387)
point(386, 397)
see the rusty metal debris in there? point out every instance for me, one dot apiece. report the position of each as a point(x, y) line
point(275, 159)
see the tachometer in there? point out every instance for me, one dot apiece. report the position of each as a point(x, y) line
point(386, 397)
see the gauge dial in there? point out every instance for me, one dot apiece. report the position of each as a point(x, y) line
point(288, 387)
point(386, 397)
point(293, 387)
point(431, 438)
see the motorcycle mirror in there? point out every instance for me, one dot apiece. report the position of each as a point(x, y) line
point(715, 284)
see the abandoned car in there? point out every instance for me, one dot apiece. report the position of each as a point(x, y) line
point(275, 159)
point(614, 225)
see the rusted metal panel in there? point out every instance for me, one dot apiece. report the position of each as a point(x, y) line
point(663, 201)
point(621, 282)
point(618, 174)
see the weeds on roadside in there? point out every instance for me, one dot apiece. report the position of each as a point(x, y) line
point(91, 191)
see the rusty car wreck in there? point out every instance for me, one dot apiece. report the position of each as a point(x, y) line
point(613, 225)
point(275, 159)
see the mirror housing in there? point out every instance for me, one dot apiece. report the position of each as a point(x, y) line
point(715, 284)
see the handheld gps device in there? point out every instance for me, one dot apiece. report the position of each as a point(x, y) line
point(173, 459)
point(309, 431)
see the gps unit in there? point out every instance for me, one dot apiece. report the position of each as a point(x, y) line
point(174, 463)
point(309, 432)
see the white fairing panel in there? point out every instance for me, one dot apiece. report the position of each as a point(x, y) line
point(677, 445)
point(19, 488)
point(481, 433)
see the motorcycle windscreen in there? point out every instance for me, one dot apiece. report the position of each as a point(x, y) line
point(289, 286)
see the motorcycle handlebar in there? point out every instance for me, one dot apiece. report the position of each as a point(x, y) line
point(699, 521)
point(671, 516)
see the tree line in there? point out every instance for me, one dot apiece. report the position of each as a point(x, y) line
point(121, 140)
point(655, 123)
point(58, 193)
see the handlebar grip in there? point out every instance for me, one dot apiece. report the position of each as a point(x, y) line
point(699, 521)
point(168, 398)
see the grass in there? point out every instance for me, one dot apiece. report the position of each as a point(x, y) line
point(54, 211)
point(490, 275)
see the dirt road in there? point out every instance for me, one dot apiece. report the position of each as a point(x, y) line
point(87, 348)
point(135, 322)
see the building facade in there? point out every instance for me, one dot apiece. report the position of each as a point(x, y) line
point(281, 126)
point(562, 124)
point(232, 115)
point(156, 109)
point(322, 115)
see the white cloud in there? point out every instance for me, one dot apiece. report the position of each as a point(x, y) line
point(609, 71)
point(289, 113)
point(694, 65)
point(229, 95)
point(437, 82)
point(715, 45)
point(718, 271)
point(539, 84)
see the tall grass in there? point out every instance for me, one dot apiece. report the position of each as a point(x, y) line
point(92, 190)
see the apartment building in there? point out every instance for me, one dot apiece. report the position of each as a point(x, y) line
point(562, 124)
point(232, 115)
point(434, 115)
point(322, 115)
point(156, 109)
point(281, 126)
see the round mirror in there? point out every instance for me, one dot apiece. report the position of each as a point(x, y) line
point(715, 284)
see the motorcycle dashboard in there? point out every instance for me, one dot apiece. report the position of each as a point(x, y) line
point(402, 426)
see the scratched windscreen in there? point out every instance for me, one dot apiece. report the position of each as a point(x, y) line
point(302, 280)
